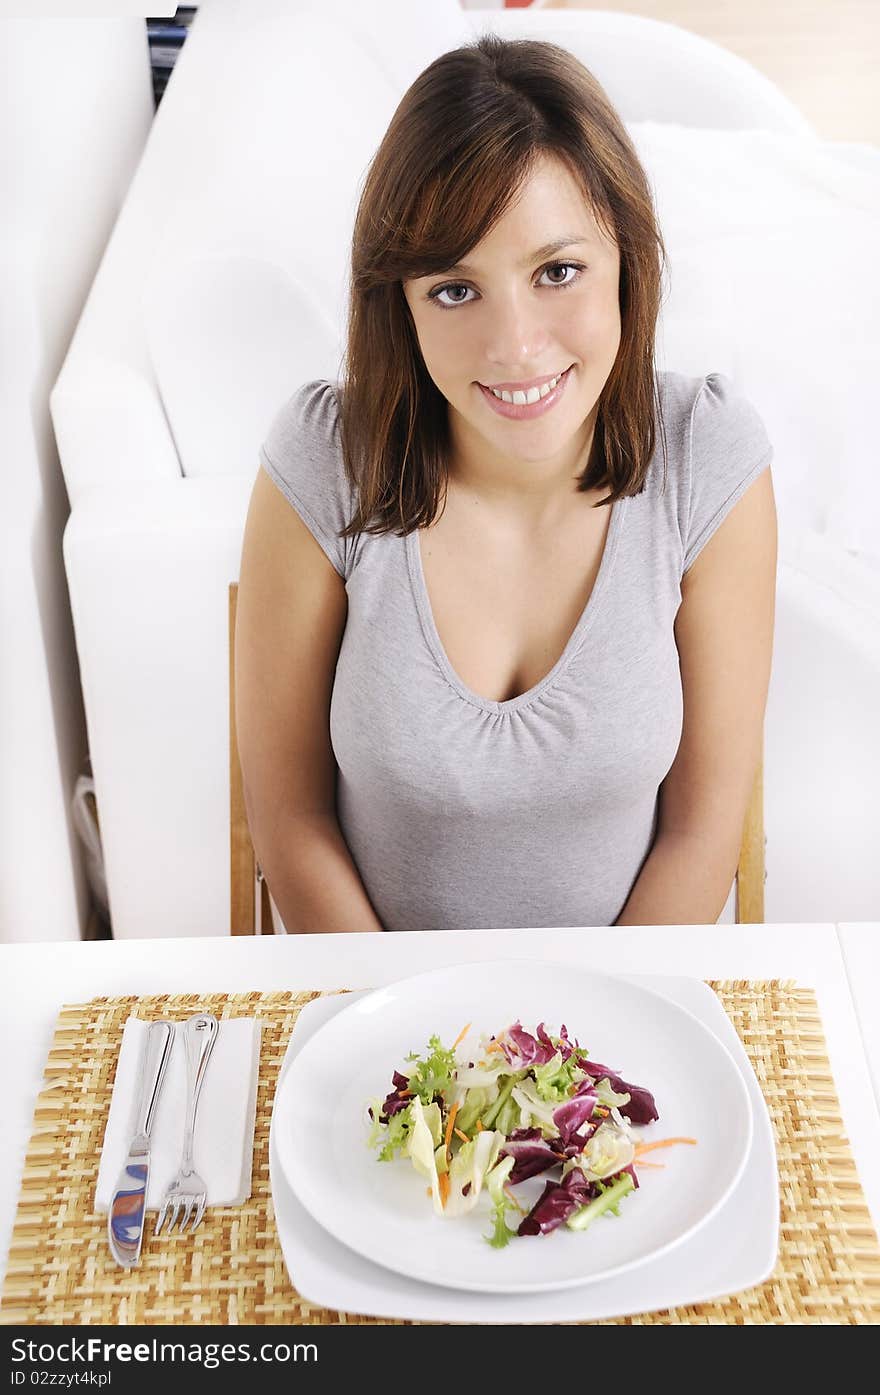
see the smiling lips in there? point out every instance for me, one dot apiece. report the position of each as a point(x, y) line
point(522, 405)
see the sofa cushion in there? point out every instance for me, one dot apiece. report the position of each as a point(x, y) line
point(768, 236)
point(228, 336)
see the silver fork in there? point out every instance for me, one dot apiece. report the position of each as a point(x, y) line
point(187, 1193)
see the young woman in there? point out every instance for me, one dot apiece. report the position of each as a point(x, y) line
point(506, 596)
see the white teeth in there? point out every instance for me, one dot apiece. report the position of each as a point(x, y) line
point(523, 399)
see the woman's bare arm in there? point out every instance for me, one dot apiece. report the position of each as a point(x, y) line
point(289, 622)
point(724, 633)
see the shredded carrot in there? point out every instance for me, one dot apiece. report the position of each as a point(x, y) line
point(644, 1164)
point(479, 1126)
point(443, 1179)
point(429, 1191)
point(661, 1143)
point(461, 1036)
point(463, 1136)
point(493, 1046)
point(450, 1125)
point(402, 1093)
point(516, 1203)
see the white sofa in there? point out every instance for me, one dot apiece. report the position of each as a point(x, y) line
point(76, 105)
point(224, 286)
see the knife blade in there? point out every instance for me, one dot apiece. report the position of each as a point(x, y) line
point(125, 1218)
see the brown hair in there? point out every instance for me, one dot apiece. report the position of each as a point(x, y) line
point(460, 145)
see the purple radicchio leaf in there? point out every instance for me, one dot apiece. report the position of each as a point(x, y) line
point(533, 1154)
point(586, 1087)
point(521, 1049)
point(570, 1116)
point(565, 1048)
point(395, 1102)
point(640, 1108)
point(556, 1203)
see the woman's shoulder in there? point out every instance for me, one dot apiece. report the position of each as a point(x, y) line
point(710, 428)
point(716, 445)
point(310, 416)
point(705, 412)
point(302, 453)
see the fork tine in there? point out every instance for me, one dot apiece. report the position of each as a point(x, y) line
point(175, 1214)
point(200, 1209)
point(188, 1208)
point(161, 1218)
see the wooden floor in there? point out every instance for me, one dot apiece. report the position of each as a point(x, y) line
point(823, 54)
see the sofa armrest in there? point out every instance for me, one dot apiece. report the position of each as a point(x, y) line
point(109, 426)
point(148, 567)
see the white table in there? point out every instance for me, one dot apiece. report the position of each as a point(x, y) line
point(861, 954)
point(36, 979)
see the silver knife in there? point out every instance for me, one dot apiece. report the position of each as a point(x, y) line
point(125, 1219)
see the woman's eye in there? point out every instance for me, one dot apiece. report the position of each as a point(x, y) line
point(454, 287)
point(564, 266)
point(447, 290)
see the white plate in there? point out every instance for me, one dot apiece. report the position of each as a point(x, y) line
point(723, 1257)
point(380, 1209)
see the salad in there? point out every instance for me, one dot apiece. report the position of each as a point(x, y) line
point(526, 1104)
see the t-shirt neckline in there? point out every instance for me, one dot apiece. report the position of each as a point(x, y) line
point(575, 639)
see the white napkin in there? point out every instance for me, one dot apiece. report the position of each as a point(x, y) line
point(224, 1136)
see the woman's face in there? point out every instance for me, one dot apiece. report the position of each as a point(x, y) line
point(516, 313)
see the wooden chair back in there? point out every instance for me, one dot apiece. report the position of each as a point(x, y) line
point(750, 869)
point(250, 910)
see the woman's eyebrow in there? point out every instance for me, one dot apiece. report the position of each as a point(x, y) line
point(538, 255)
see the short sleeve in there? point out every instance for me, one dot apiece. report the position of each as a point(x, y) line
point(728, 449)
point(303, 456)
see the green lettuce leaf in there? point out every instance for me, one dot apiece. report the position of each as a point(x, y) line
point(468, 1168)
point(397, 1134)
point(420, 1150)
point(432, 1074)
point(495, 1180)
point(557, 1080)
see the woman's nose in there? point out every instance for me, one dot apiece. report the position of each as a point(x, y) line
point(516, 337)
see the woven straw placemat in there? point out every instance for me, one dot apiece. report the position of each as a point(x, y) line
point(232, 1271)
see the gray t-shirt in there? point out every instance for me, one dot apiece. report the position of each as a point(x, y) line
point(461, 812)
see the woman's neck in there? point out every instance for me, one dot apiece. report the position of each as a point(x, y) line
point(533, 492)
